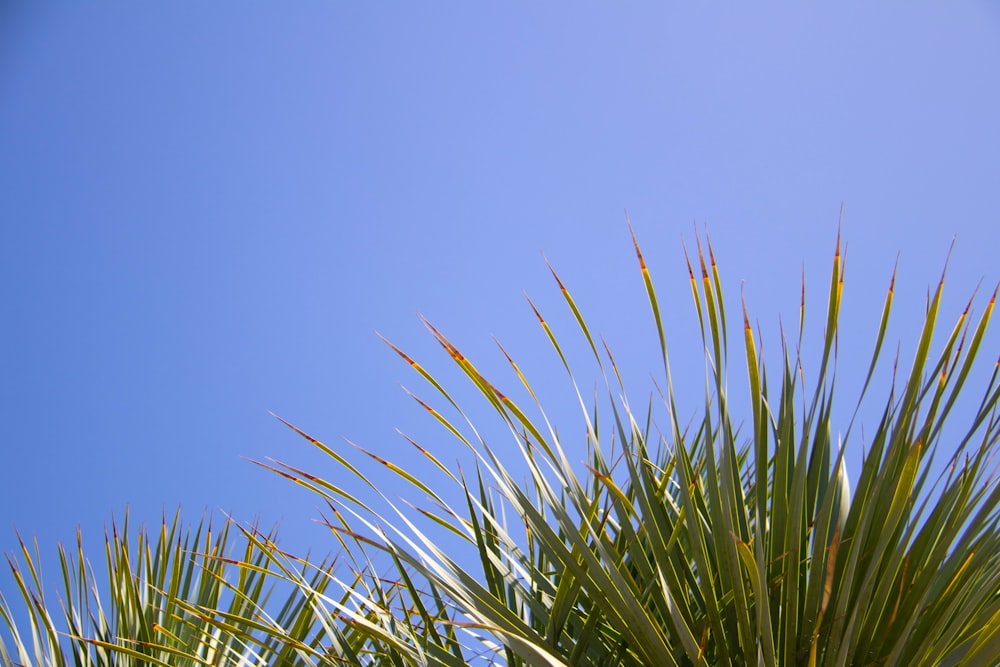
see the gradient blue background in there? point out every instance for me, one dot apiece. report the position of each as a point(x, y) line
point(207, 208)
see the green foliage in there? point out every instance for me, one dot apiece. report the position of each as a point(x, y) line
point(709, 543)
point(175, 600)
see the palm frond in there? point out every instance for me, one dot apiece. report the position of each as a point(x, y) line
point(733, 538)
point(717, 545)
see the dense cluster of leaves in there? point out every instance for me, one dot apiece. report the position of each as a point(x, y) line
point(705, 544)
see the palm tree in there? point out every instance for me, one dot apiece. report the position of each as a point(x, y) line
point(706, 542)
point(158, 595)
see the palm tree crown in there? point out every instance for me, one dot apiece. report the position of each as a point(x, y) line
point(709, 542)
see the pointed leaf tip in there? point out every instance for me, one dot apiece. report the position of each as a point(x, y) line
point(701, 259)
point(687, 259)
point(743, 301)
point(444, 342)
point(398, 351)
point(531, 303)
point(296, 429)
point(711, 255)
point(638, 252)
point(554, 274)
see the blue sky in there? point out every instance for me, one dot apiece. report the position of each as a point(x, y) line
point(207, 209)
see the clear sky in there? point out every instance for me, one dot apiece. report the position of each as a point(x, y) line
point(207, 208)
